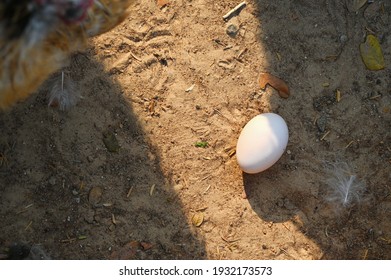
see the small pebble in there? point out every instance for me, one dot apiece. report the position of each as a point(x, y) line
point(52, 181)
point(343, 39)
point(232, 30)
point(89, 217)
point(321, 123)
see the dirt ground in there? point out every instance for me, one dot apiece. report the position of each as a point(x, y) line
point(171, 76)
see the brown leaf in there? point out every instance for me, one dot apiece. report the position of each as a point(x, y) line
point(162, 3)
point(95, 195)
point(111, 142)
point(146, 246)
point(127, 252)
point(275, 82)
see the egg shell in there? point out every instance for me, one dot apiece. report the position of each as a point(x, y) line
point(261, 143)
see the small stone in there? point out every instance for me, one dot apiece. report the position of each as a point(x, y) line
point(52, 181)
point(343, 39)
point(90, 217)
point(321, 123)
point(112, 227)
point(232, 30)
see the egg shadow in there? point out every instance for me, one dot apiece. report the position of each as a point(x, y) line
point(278, 198)
point(266, 198)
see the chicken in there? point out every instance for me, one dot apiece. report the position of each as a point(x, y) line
point(38, 36)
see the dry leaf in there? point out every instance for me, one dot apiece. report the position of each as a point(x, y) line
point(162, 3)
point(198, 219)
point(372, 54)
point(338, 95)
point(275, 82)
point(355, 5)
point(146, 245)
point(127, 252)
point(111, 142)
point(95, 195)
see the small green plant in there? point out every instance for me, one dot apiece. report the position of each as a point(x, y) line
point(201, 144)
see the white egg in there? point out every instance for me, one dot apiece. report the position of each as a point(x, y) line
point(261, 143)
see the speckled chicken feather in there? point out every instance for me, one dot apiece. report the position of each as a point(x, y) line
point(35, 44)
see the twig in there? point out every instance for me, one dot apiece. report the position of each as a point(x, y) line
point(365, 254)
point(129, 192)
point(287, 254)
point(229, 241)
point(241, 53)
point(201, 209)
point(186, 184)
point(375, 97)
point(207, 189)
point(350, 143)
point(234, 11)
point(68, 240)
point(25, 208)
point(29, 225)
point(135, 57)
point(152, 190)
point(286, 227)
point(324, 136)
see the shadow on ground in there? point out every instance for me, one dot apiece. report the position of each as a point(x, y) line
point(314, 47)
point(65, 194)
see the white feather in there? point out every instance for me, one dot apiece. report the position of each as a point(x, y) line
point(345, 188)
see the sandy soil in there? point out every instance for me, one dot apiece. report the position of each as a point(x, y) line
point(171, 76)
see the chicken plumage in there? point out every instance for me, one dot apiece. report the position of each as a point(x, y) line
point(38, 36)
